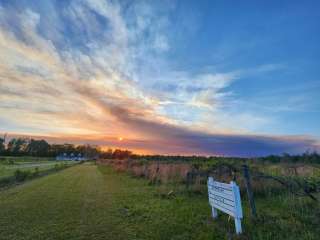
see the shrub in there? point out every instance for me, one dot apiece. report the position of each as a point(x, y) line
point(5, 181)
point(10, 162)
point(20, 175)
point(36, 172)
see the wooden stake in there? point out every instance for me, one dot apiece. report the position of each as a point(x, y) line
point(247, 179)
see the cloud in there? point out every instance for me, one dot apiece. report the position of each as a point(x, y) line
point(95, 70)
point(162, 137)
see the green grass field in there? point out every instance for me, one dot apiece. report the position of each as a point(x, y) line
point(94, 202)
point(8, 165)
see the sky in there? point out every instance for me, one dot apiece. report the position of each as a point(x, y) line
point(216, 77)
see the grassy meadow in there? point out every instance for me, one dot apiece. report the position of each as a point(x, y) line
point(91, 201)
point(286, 194)
point(18, 169)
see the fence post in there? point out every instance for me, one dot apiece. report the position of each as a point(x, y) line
point(247, 179)
point(188, 180)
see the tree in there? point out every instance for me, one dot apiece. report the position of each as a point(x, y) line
point(38, 148)
point(2, 146)
point(106, 154)
point(121, 154)
point(17, 146)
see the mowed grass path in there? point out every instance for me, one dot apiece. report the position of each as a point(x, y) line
point(94, 202)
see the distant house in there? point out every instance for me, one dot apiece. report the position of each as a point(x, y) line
point(70, 157)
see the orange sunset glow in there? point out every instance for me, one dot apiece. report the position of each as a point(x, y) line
point(117, 76)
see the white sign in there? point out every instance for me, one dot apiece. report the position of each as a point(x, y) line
point(226, 198)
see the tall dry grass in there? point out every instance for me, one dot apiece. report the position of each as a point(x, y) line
point(154, 171)
point(195, 178)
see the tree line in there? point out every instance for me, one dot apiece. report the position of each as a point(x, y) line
point(306, 157)
point(41, 148)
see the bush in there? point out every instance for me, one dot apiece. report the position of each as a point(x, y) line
point(20, 175)
point(57, 167)
point(5, 181)
point(60, 166)
point(10, 162)
point(36, 172)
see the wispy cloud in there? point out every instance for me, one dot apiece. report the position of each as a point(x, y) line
point(99, 68)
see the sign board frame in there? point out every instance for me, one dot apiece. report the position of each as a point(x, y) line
point(226, 198)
